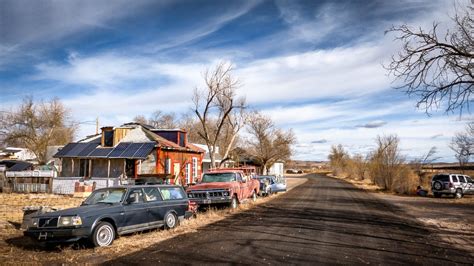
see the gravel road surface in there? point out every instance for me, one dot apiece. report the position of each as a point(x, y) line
point(324, 220)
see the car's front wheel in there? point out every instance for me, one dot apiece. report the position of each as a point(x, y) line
point(103, 235)
point(170, 220)
point(234, 203)
point(458, 194)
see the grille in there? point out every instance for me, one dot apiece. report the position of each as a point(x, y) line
point(208, 194)
point(48, 222)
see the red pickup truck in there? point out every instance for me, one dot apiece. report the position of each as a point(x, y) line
point(224, 186)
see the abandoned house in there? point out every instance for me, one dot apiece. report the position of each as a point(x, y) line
point(132, 151)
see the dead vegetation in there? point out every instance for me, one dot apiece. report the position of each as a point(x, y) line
point(17, 249)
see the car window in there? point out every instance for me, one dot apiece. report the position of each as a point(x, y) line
point(468, 179)
point(239, 177)
point(172, 193)
point(443, 178)
point(455, 178)
point(135, 196)
point(152, 194)
point(461, 179)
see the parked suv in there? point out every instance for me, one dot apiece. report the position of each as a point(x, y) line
point(452, 184)
point(112, 211)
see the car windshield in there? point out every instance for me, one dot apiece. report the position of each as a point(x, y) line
point(108, 195)
point(218, 177)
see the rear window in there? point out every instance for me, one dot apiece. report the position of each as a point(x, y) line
point(443, 178)
point(172, 193)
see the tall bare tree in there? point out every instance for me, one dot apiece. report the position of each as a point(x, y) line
point(437, 68)
point(35, 126)
point(215, 104)
point(159, 119)
point(463, 145)
point(268, 144)
point(385, 161)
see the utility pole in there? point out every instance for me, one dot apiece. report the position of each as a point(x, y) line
point(97, 125)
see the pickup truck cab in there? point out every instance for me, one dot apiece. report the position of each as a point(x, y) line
point(112, 211)
point(224, 186)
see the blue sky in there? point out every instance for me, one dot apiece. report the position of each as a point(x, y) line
point(313, 66)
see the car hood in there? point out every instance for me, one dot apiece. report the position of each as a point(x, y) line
point(216, 185)
point(81, 210)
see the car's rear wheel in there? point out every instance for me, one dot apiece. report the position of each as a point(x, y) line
point(458, 194)
point(103, 235)
point(170, 220)
point(437, 195)
point(438, 185)
point(234, 203)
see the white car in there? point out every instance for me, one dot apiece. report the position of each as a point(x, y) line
point(270, 184)
point(452, 184)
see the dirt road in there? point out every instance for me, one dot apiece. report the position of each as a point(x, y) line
point(324, 220)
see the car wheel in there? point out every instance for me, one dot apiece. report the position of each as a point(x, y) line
point(234, 203)
point(437, 195)
point(458, 194)
point(170, 220)
point(103, 235)
point(254, 196)
point(438, 185)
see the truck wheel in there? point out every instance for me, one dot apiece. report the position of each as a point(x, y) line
point(254, 196)
point(170, 220)
point(234, 203)
point(103, 234)
point(437, 195)
point(458, 194)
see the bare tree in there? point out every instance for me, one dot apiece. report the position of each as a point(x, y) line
point(427, 158)
point(338, 158)
point(268, 144)
point(463, 145)
point(36, 126)
point(386, 161)
point(439, 70)
point(159, 119)
point(215, 104)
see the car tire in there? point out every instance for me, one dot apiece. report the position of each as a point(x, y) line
point(437, 185)
point(171, 221)
point(103, 234)
point(234, 203)
point(437, 195)
point(458, 193)
point(254, 196)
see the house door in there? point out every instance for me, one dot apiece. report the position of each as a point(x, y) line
point(130, 169)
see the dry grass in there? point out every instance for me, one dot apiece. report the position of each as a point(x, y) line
point(16, 249)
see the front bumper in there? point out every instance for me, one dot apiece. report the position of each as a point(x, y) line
point(58, 234)
point(211, 201)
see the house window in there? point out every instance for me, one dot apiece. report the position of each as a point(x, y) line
point(168, 166)
point(188, 173)
point(195, 167)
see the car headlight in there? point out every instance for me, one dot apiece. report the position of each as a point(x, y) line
point(190, 195)
point(70, 221)
point(34, 222)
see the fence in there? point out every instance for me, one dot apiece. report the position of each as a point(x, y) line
point(38, 181)
point(65, 185)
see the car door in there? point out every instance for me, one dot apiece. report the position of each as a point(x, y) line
point(156, 208)
point(135, 210)
point(244, 186)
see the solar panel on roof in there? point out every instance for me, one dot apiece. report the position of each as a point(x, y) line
point(65, 150)
point(78, 148)
point(100, 152)
point(131, 150)
point(144, 150)
point(87, 149)
point(119, 150)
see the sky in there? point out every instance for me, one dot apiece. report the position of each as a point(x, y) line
point(315, 67)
